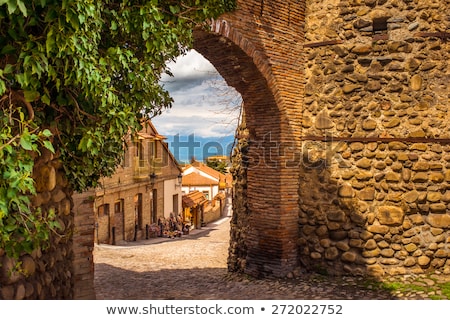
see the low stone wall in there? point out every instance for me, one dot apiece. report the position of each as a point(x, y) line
point(44, 274)
point(212, 213)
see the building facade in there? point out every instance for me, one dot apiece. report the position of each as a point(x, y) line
point(144, 190)
point(197, 176)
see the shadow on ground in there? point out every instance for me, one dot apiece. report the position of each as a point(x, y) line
point(114, 283)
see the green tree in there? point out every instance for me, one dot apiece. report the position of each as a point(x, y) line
point(75, 77)
point(218, 165)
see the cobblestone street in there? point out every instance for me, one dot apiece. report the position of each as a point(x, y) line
point(194, 267)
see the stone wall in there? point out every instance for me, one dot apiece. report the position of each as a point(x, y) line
point(212, 212)
point(239, 223)
point(375, 192)
point(83, 246)
point(45, 274)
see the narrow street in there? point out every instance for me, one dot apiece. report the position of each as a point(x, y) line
point(194, 267)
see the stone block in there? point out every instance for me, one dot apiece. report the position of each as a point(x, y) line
point(364, 163)
point(331, 253)
point(323, 121)
point(379, 229)
point(338, 216)
point(397, 145)
point(409, 262)
point(358, 217)
point(410, 247)
point(371, 253)
point(367, 194)
point(416, 82)
point(421, 166)
point(420, 177)
point(45, 178)
point(348, 256)
point(346, 191)
point(441, 253)
point(392, 177)
point(375, 270)
point(387, 253)
point(438, 220)
point(410, 196)
point(7, 292)
point(315, 255)
point(338, 235)
point(390, 215)
point(438, 208)
point(370, 244)
point(423, 261)
point(434, 196)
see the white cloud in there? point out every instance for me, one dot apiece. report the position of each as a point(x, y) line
point(192, 64)
point(200, 96)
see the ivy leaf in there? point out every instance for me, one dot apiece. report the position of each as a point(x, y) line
point(45, 99)
point(25, 142)
point(22, 7)
point(9, 68)
point(47, 133)
point(31, 96)
point(49, 146)
point(12, 6)
point(113, 25)
point(174, 9)
point(8, 49)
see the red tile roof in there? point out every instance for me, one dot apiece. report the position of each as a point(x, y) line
point(208, 170)
point(193, 199)
point(196, 179)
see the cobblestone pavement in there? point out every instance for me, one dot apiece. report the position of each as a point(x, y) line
point(193, 267)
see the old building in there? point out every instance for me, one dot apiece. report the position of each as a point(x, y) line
point(197, 176)
point(204, 193)
point(145, 189)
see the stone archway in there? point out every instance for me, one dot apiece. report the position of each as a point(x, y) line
point(242, 50)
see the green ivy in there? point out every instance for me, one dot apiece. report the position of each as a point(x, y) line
point(76, 76)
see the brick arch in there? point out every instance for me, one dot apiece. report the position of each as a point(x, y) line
point(272, 188)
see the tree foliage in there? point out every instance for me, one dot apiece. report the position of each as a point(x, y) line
point(218, 165)
point(76, 76)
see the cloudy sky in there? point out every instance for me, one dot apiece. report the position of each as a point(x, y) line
point(203, 103)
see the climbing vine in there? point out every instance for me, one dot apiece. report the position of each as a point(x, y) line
point(76, 76)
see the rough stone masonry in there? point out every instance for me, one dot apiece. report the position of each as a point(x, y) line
point(374, 190)
point(373, 161)
point(346, 162)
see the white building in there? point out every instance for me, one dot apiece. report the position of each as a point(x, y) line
point(197, 176)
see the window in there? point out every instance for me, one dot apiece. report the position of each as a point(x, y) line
point(151, 150)
point(139, 153)
point(175, 204)
point(103, 210)
point(118, 206)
